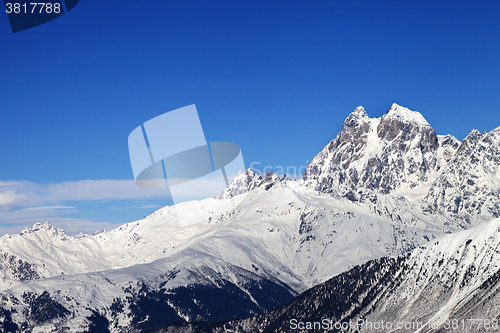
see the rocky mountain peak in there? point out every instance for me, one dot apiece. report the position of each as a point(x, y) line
point(401, 121)
point(243, 182)
point(271, 176)
point(357, 116)
point(473, 138)
point(44, 229)
point(380, 154)
point(355, 126)
point(405, 115)
point(473, 135)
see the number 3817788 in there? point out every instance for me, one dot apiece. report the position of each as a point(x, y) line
point(33, 8)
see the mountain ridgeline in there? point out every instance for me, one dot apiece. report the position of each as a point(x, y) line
point(365, 229)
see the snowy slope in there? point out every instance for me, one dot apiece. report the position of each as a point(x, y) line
point(287, 238)
point(452, 280)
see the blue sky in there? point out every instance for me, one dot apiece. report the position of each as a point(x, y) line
point(276, 77)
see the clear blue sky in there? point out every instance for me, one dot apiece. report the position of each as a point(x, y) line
point(276, 77)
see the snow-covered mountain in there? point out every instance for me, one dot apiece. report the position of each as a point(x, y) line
point(450, 283)
point(400, 154)
point(381, 188)
point(399, 151)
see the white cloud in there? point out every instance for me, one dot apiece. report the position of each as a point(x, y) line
point(23, 203)
point(29, 194)
point(9, 198)
point(47, 207)
point(6, 183)
point(39, 213)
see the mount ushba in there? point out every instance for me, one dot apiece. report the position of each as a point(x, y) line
point(381, 188)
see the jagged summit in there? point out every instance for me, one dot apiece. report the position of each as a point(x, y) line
point(272, 176)
point(395, 112)
point(405, 115)
point(474, 133)
point(399, 149)
point(243, 182)
point(400, 154)
point(45, 228)
point(247, 180)
point(359, 114)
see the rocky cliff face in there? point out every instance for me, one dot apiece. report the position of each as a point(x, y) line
point(470, 183)
point(400, 149)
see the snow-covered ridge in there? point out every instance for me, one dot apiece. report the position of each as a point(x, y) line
point(358, 115)
point(45, 229)
point(287, 234)
point(405, 115)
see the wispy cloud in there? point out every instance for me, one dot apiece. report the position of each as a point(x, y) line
point(6, 183)
point(29, 194)
point(46, 207)
point(9, 199)
point(38, 213)
point(23, 203)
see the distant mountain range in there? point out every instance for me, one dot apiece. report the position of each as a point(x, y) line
point(381, 188)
